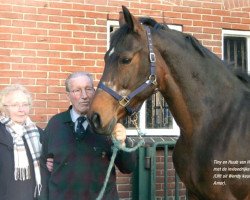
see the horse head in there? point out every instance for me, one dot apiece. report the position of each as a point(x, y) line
point(129, 75)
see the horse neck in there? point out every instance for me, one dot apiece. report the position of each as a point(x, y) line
point(195, 87)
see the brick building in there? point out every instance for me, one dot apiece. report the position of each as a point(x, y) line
point(42, 41)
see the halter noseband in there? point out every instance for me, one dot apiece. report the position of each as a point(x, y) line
point(125, 100)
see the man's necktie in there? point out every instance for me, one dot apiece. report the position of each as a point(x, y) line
point(80, 130)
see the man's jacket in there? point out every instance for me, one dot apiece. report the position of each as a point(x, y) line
point(80, 166)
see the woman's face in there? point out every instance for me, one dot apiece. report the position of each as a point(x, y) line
point(16, 106)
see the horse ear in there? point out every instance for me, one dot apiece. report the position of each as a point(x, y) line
point(121, 19)
point(128, 18)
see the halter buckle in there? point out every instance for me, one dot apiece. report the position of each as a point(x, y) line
point(152, 79)
point(124, 101)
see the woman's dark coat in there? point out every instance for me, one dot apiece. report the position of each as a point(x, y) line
point(9, 188)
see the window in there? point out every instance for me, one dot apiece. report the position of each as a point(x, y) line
point(236, 48)
point(154, 117)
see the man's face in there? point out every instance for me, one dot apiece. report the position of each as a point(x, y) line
point(80, 94)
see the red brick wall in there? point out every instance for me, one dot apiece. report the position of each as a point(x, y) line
point(42, 41)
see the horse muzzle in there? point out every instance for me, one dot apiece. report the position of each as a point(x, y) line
point(97, 124)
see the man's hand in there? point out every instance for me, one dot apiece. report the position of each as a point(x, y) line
point(120, 133)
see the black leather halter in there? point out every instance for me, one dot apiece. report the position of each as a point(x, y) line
point(125, 100)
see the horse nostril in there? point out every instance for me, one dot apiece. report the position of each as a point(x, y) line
point(96, 120)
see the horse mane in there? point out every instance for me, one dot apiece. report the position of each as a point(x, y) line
point(155, 25)
point(241, 74)
point(238, 72)
point(147, 21)
point(196, 44)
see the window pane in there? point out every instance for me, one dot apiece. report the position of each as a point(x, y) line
point(157, 113)
point(235, 51)
point(127, 122)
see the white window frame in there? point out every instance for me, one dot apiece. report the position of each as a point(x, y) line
point(175, 131)
point(236, 33)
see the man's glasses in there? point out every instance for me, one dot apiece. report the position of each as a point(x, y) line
point(79, 92)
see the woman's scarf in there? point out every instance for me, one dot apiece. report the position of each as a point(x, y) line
point(30, 133)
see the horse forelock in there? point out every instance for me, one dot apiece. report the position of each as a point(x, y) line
point(119, 34)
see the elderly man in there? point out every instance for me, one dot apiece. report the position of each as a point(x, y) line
point(80, 156)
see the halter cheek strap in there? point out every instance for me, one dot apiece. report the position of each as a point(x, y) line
point(125, 100)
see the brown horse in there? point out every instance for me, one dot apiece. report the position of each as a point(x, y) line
point(209, 102)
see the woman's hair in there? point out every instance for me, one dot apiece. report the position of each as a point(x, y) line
point(12, 88)
point(75, 75)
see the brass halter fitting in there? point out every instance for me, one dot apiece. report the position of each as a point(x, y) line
point(124, 101)
point(152, 78)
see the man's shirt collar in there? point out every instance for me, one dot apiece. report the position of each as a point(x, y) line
point(74, 115)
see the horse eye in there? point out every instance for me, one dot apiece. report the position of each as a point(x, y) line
point(125, 61)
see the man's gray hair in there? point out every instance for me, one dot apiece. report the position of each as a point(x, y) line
point(75, 75)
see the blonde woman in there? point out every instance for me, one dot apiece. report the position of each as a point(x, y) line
point(20, 147)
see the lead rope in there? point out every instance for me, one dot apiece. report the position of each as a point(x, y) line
point(115, 148)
